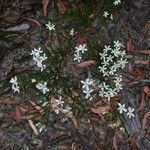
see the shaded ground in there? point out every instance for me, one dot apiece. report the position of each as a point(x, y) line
point(131, 25)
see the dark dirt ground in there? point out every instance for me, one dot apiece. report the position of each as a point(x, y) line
point(131, 23)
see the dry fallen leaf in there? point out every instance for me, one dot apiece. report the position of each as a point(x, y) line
point(72, 117)
point(137, 74)
point(141, 103)
point(33, 126)
point(18, 115)
point(100, 110)
point(61, 7)
point(129, 45)
point(36, 106)
point(27, 117)
point(8, 101)
point(146, 90)
point(115, 142)
point(144, 121)
point(145, 52)
point(45, 5)
point(143, 62)
point(85, 64)
point(35, 21)
point(74, 120)
point(80, 39)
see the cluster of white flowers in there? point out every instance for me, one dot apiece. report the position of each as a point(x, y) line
point(128, 111)
point(15, 86)
point(112, 59)
point(42, 87)
point(107, 14)
point(87, 88)
point(50, 26)
point(79, 51)
point(58, 104)
point(117, 2)
point(39, 57)
point(107, 91)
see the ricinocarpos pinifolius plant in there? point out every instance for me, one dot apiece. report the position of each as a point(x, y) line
point(71, 77)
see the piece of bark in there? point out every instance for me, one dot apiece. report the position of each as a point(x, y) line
point(133, 125)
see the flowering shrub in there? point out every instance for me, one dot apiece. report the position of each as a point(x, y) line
point(60, 92)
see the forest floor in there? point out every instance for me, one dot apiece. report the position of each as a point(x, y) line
point(22, 28)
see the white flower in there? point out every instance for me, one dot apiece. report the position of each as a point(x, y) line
point(103, 55)
point(50, 26)
point(112, 70)
point(121, 108)
point(106, 94)
point(105, 74)
point(105, 14)
point(57, 110)
point(116, 65)
point(40, 65)
point(43, 57)
point(87, 83)
point(122, 63)
point(109, 58)
point(112, 92)
point(39, 58)
point(61, 102)
point(15, 88)
point(118, 79)
point(88, 93)
point(105, 63)
point(118, 44)
point(119, 87)
point(118, 83)
point(77, 57)
point(117, 2)
point(33, 80)
point(72, 32)
point(81, 48)
point(116, 51)
point(14, 80)
point(107, 48)
point(102, 69)
point(123, 53)
point(101, 92)
point(42, 87)
point(67, 109)
point(130, 112)
point(36, 52)
point(111, 17)
point(106, 87)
